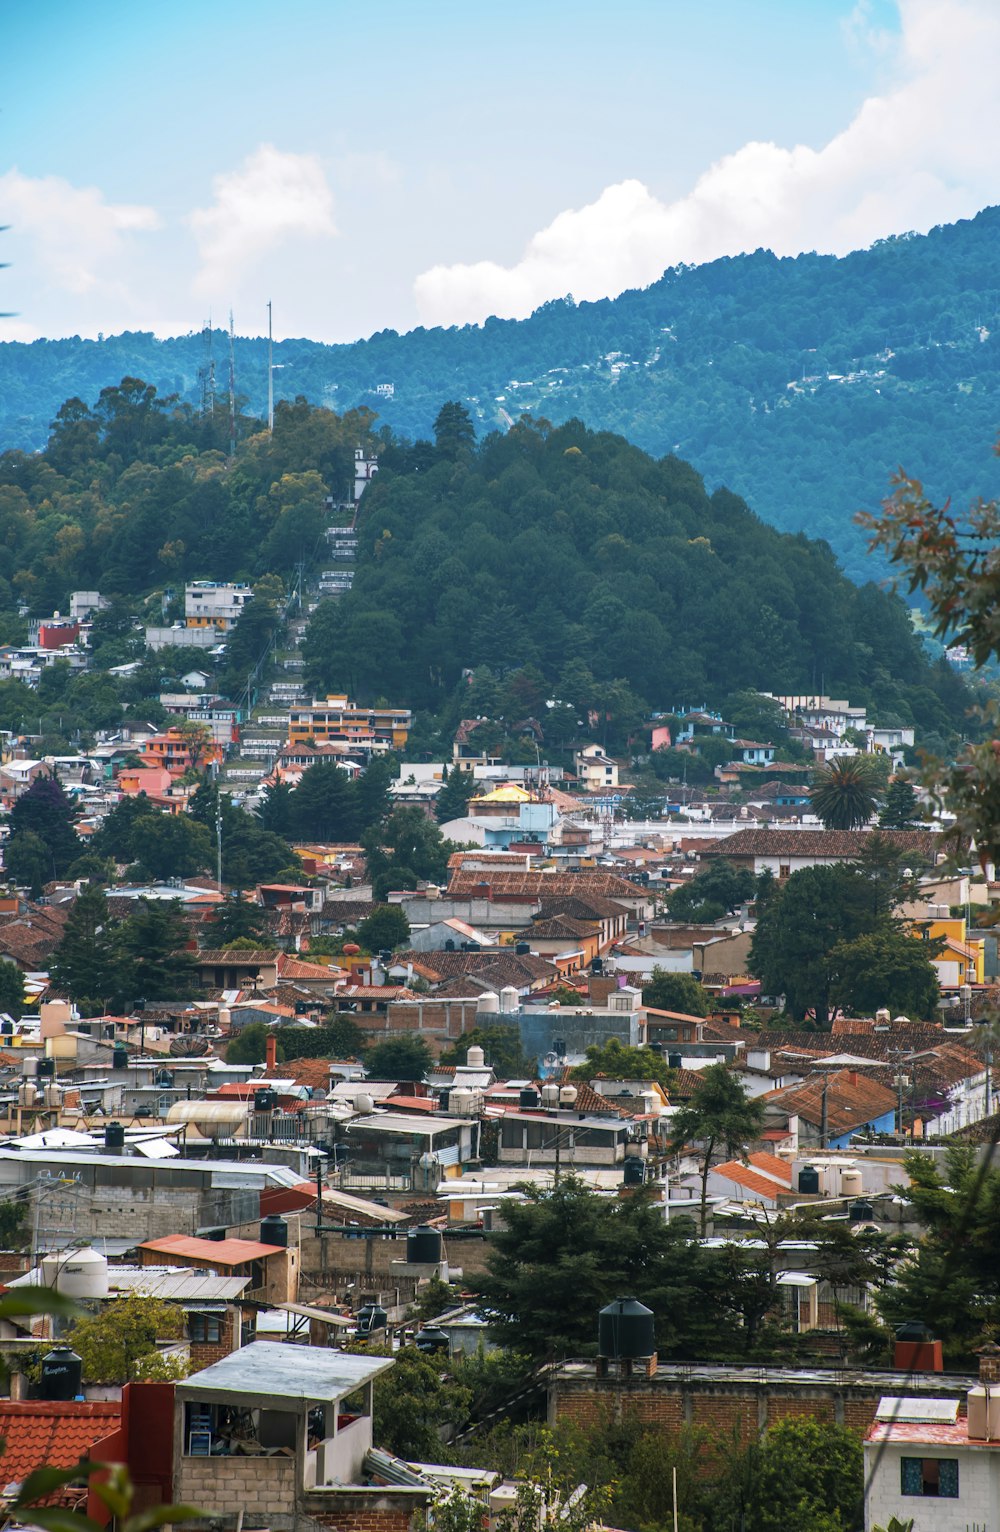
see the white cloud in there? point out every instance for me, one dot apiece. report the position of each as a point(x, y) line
point(920, 154)
point(74, 234)
point(271, 198)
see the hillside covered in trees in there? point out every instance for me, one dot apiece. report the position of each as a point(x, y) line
point(800, 384)
point(575, 562)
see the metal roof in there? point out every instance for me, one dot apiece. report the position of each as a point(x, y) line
point(398, 1122)
point(280, 1376)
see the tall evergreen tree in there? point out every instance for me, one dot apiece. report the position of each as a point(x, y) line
point(45, 810)
point(154, 939)
point(86, 965)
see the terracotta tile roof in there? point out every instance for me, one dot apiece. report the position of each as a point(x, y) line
point(223, 956)
point(604, 884)
point(834, 843)
point(496, 967)
point(852, 1100)
point(771, 1166)
point(560, 926)
point(221, 1252)
point(35, 1433)
point(312, 1072)
point(581, 907)
point(749, 1179)
point(291, 968)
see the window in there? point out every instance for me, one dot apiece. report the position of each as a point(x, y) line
point(929, 1476)
point(205, 1328)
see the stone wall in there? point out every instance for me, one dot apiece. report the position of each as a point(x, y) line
point(263, 1488)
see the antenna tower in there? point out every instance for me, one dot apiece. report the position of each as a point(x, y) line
point(207, 374)
point(270, 373)
point(232, 388)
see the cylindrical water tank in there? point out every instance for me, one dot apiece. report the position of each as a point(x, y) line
point(460, 1103)
point(114, 1136)
point(527, 1099)
point(809, 1180)
point(265, 1100)
point(423, 1246)
point(510, 1000)
point(625, 1329)
point(860, 1211)
point(371, 1317)
point(119, 1056)
point(363, 1102)
point(475, 1058)
point(29, 1066)
point(53, 1095)
point(444, 1100)
point(550, 1095)
point(28, 1093)
point(675, 1060)
point(634, 1171)
point(851, 1183)
point(274, 1231)
point(46, 1069)
point(79, 1274)
point(568, 1095)
point(62, 1374)
point(6, 1027)
point(225, 1016)
point(488, 1003)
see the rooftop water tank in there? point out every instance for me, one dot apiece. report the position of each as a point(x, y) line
point(76, 1274)
point(114, 1136)
point(265, 1100)
point(53, 1095)
point(568, 1095)
point(522, 949)
point(274, 1231)
point(475, 1058)
point(46, 1069)
point(27, 1093)
point(363, 1102)
point(29, 1066)
point(444, 1100)
point(119, 1056)
point(488, 1003)
point(527, 1099)
point(634, 1171)
point(550, 1094)
point(809, 1180)
point(62, 1374)
point(461, 1100)
point(371, 1317)
point(675, 1061)
point(851, 1183)
point(510, 1000)
point(860, 1211)
point(625, 1329)
point(423, 1246)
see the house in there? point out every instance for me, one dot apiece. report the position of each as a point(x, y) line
point(466, 752)
point(920, 1450)
point(269, 1429)
point(235, 968)
point(410, 1152)
point(49, 1433)
point(832, 1109)
point(272, 1271)
point(783, 852)
point(336, 718)
point(568, 1140)
point(701, 722)
point(214, 605)
point(752, 753)
point(594, 769)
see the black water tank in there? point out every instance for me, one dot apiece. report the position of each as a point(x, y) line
point(913, 1330)
point(62, 1374)
point(444, 1100)
point(625, 1329)
point(46, 1069)
point(527, 1099)
point(217, 1235)
point(6, 1028)
point(521, 949)
point(597, 965)
point(370, 1318)
point(860, 1211)
point(423, 1246)
point(265, 1100)
point(675, 1061)
point(114, 1136)
point(634, 1173)
point(119, 1056)
point(809, 1181)
point(274, 1231)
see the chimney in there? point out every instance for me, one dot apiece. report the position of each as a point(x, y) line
point(989, 1362)
point(271, 1057)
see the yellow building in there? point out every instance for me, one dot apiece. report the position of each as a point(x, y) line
point(336, 718)
point(962, 957)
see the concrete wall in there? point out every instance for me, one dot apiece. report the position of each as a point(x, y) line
point(978, 1502)
point(263, 1488)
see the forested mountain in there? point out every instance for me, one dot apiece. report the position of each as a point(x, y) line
point(576, 564)
point(800, 384)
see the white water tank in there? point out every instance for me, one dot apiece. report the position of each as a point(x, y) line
point(460, 1101)
point(53, 1096)
point(475, 1058)
point(77, 1273)
point(224, 1018)
point(851, 1183)
point(510, 1000)
point(550, 1095)
point(488, 1004)
point(363, 1102)
point(27, 1094)
point(29, 1066)
point(567, 1095)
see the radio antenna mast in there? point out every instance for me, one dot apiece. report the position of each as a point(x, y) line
point(270, 373)
point(232, 388)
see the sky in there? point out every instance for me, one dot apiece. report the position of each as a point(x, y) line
point(394, 163)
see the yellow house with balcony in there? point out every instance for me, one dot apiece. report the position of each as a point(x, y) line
point(337, 719)
point(961, 959)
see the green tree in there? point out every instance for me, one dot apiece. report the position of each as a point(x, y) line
point(277, 809)
point(326, 805)
point(45, 810)
point(408, 847)
point(718, 1116)
point(711, 893)
point(385, 929)
point(15, 1231)
point(154, 940)
point(11, 989)
point(453, 430)
point(399, 1058)
point(86, 963)
point(27, 862)
point(119, 1344)
point(844, 792)
point(413, 1401)
point(249, 1044)
point(114, 838)
point(614, 1061)
point(172, 845)
point(805, 1474)
point(888, 967)
point(453, 799)
point(675, 992)
point(339, 1037)
point(791, 951)
point(237, 917)
point(900, 810)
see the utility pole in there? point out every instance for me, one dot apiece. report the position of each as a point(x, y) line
point(270, 373)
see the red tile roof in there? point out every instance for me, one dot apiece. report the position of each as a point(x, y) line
point(749, 1179)
point(221, 1252)
point(57, 1434)
point(832, 843)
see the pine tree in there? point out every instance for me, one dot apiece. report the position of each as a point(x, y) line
point(154, 938)
point(86, 965)
point(46, 811)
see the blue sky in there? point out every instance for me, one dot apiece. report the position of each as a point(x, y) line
point(393, 163)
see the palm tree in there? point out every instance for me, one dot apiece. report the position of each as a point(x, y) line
point(844, 790)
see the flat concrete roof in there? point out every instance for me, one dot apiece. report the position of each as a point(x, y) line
point(272, 1375)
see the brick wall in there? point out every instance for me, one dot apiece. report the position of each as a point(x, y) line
point(262, 1487)
point(351, 1509)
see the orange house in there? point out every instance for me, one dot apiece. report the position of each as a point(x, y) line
point(177, 753)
